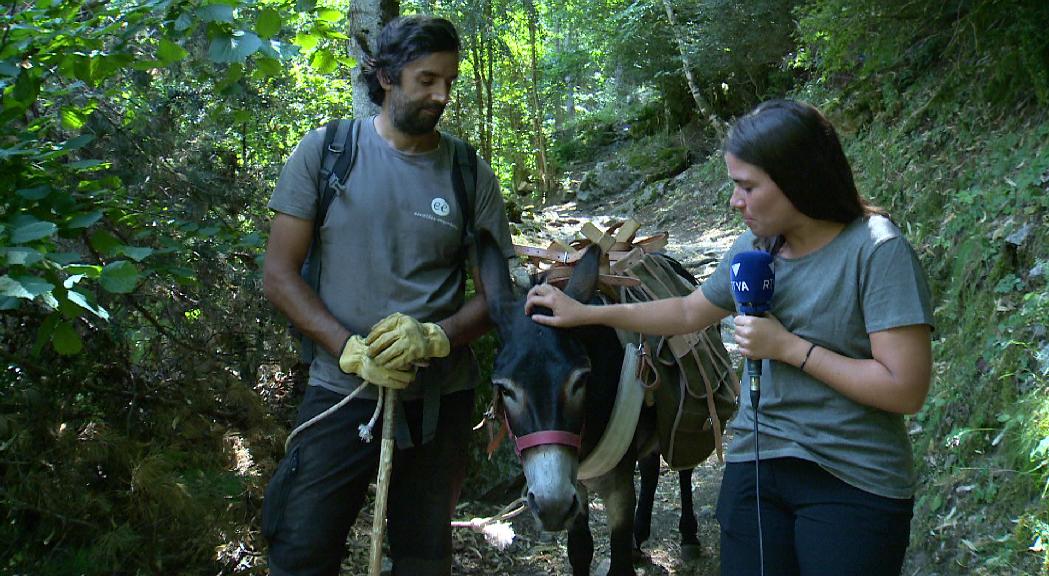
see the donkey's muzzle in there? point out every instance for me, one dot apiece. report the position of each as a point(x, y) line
point(550, 471)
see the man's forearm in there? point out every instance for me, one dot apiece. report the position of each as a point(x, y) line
point(290, 294)
point(469, 323)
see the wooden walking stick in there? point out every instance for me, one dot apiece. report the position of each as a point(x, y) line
point(382, 485)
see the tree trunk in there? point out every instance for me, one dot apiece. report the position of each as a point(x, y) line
point(489, 117)
point(477, 64)
point(537, 105)
point(702, 105)
point(569, 101)
point(364, 21)
point(622, 94)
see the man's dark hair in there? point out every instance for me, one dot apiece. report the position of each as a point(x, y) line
point(799, 149)
point(403, 40)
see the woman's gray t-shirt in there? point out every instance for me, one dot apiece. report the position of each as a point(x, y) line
point(392, 242)
point(867, 279)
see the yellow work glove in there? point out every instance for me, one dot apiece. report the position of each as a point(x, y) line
point(355, 360)
point(398, 341)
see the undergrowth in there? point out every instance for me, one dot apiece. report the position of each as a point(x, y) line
point(969, 184)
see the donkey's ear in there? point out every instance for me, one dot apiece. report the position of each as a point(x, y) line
point(584, 275)
point(495, 279)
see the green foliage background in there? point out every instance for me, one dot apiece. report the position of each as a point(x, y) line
point(147, 386)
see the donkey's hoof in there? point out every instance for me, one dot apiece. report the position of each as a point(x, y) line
point(691, 552)
point(639, 556)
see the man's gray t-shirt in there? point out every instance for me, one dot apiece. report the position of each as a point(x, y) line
point(866, 280)
point(392, 242)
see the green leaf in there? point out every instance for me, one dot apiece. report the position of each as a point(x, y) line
point(268, 66)
point(8, 68)
point(22, 256)
point(233, 75)
point(169, 52)
point(77, 143)
point(43, 334)
point(73, 119)
point(81, 300)
point(32, 231)
point(17, 150)
point(119, 277)
point(216, 13)
point(183, 22)
point(26, 88)
point(65, 340)
point(305, 5)
point(105, 243)
point(1042, 449)
point(252, 240)
point(284, 50)
point(34, 193)
point(233, 48)
point(268, 23)
point(87, 164)
point(88, 270)
point(306, 41)
point(329, 15)
point(241, 116)
point(26, 287)
point(9, 288)
point(65, 258)
point(84, 220)
point(323, 61)
point(136, 253)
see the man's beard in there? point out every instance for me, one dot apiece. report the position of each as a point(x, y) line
point(411, 118)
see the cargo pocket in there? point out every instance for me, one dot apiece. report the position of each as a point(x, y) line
point(275, 500)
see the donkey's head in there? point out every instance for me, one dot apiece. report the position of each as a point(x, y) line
point(540, 375)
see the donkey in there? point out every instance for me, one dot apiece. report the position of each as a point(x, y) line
point(687, 527)
point(557, 388)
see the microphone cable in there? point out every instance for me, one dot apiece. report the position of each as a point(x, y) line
point(755, 395)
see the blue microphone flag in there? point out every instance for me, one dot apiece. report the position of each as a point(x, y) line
point(753, 281)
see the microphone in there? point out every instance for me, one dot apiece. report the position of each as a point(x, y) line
point(753, 281)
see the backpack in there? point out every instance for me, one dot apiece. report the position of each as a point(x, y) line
point(690, 378)
point(338, 156)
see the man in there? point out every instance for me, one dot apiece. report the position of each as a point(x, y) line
point(390, 298)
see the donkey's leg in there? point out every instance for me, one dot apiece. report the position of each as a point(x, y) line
point(618, 496)
point(649, 467)
point(687, 526)
point(580, 540)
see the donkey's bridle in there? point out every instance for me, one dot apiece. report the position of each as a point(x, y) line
point(540, 437)
point(544, 437)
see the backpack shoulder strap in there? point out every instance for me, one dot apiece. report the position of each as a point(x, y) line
point(337, 156)
point(464, 180)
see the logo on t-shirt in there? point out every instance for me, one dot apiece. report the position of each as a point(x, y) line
point(440, 207)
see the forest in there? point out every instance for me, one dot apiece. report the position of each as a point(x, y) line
point(147, 386)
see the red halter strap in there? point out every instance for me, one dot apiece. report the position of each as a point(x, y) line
point(546, 437)
point(542, 437)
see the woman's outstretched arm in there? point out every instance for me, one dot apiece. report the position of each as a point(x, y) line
point(665, 317)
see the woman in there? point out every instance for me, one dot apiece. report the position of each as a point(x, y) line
point(846, 349)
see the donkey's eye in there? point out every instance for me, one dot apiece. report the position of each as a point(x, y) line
point(504, 389)
point(579, 384)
